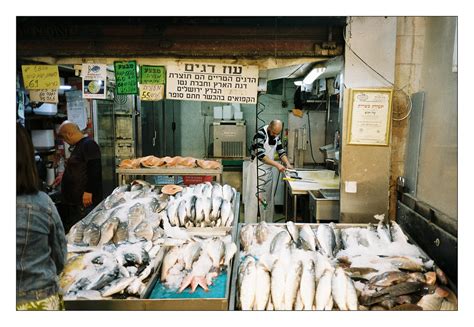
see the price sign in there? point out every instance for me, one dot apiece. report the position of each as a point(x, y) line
point(151, 92)
point(49, 96)
point(126, 77)
point(37, 77)
point(152, 75)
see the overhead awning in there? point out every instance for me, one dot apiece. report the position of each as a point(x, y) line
point(267, 42)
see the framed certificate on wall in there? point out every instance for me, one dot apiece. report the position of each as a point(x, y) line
point(370, 112)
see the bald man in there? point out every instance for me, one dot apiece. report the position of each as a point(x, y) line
point(81, 183)
point(266, 143)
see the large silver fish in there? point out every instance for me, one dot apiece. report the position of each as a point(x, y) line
point(172, 212)
point(216, 207)
point(199, 207)
point(92, 235)
point(144, 231)
point(281, 241)
point(76, 233)
point(308, 285)
point(207, 207)
point(248, 285)
point(307, 238)
point(182, 213)
point(337, 238)
point(171, 257)
point(99, 218)
point(246, 237)
point(207, 191)
point(121, 234)
point(323, 291)
point(191, 253)
point(339, 288)
point(136, 214)
point(322, 264)
point(263, 285)
point(216, 191)
point(351, 295)
point(114, 200)
point(261, 232)
point(278, 283)
point(198, 189)
point(190, 203)
point(226, 210)
point(117, 286)
point(326, 240)
point(108, 230)
point(292, 284)
point(230, 219)
point(230, 250)
point(227, 193)
point(215, 249)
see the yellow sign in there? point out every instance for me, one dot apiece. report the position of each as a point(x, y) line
point(37, 77)
point(152, 92)
point(49, 96)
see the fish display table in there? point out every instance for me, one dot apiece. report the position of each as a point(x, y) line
point(155, 297)
point(322, 265)
point(312, 180)
point(123, 172)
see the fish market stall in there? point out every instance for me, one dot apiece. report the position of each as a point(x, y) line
point(142, 249)
point(169, 166)
point(335, 267)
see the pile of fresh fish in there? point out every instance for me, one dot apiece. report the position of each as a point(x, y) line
point(196, 262)
point(289, 267)
point(170, 162)
point(115, 249)
point(202, 205)
point(110, 271)
point(139, 211)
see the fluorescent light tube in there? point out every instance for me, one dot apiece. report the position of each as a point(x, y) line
point(313, 75)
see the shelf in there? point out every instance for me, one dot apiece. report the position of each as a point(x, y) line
point(42, 117)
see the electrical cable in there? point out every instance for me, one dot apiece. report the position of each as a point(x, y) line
point(261, 172)
point(375, 71)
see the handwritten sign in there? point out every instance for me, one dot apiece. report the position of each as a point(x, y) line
point(152, 92)
point(369, 116)
point(49, 96)
point(126, 77)
point(212, 82)
point(152, 75)
point(37, 77)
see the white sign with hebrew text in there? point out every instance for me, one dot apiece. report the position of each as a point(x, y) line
point(212, 82)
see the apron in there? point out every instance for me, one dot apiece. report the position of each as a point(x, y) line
point(266, 184)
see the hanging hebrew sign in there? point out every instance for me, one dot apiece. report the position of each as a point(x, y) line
point(212, 82)
point(126, 77)
point(37, 77)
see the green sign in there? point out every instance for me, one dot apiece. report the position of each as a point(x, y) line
point(126, 77)
point(152, 75)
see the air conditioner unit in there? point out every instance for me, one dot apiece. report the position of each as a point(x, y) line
point(229, 139)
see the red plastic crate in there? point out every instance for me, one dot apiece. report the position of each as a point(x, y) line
point(196, 179)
